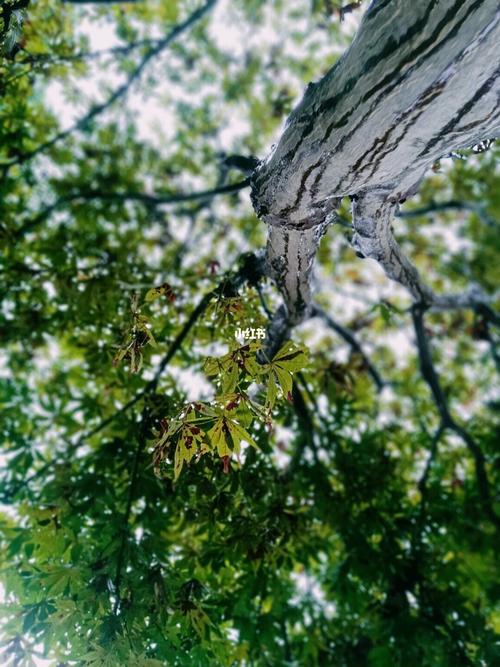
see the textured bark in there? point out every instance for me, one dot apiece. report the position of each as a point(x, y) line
point(419, 81)
point(290, 257)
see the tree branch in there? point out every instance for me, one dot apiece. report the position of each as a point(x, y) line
point(453, 204)
point(141, 197)
point(422, 482)
point(250, 271)
point(447, 421)
point(487, 335)
point(347, 9)
point(125, 528)
point(404, 94)
point(306, 432)
point(42, 58)
point(349, 337)
point(289, 262)
point(372, 215)
point(121, 90)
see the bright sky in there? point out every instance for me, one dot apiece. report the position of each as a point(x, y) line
point(229, 33)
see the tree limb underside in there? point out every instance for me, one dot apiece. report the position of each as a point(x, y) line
point(419, 81)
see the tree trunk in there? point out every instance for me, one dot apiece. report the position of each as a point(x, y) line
point(419, 81)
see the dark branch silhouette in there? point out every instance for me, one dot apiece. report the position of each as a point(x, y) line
point(452, 205)
point(306, 430)
point(125, 528)
point(141, 197)
point(43, 58)
point(121, 90)
point(349, 337)
point(447, 420)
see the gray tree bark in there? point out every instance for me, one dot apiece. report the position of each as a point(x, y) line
point(419, 81)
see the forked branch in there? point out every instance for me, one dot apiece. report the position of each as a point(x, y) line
point(448, 422)
point(372, 216)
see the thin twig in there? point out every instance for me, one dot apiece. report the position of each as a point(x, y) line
point(120, 561)
point(422, 482)
point(347, 9)
point(447, 421)
point(453, 204)
point(122, 90)
point(306, 430)
point(349, 337)
point(248, 272)
point(142, 197)
point(302, 380)
point(42, 58)
point(493, 347)
point(263, 302)
point(416, 540)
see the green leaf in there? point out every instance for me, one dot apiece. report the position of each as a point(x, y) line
point(230, 378)
point(239, 434)
point(272, 391)
point(290, 357)
point(165, 290)
point(218, 439)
